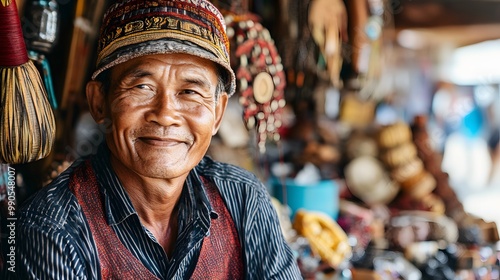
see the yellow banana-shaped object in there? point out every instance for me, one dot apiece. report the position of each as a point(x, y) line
point(326, 237)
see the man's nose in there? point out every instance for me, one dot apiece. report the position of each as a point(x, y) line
point(164, 110)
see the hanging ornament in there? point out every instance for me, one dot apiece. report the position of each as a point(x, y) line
point(41, 29)
point(260, 75)
point(328, 24)
point(27, 123)
point(366, 26)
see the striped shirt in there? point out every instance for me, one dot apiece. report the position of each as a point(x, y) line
point(57, 242)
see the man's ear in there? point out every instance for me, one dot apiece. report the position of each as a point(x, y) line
point(96, 99)
point(220, 108)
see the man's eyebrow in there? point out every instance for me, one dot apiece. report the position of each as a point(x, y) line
point(136, 73)
point(197, 81)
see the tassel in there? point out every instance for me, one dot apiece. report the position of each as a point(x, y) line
point(27, 124)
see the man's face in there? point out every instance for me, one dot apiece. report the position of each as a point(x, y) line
point(163, 113)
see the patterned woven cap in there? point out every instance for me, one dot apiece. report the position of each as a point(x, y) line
point(132, 28)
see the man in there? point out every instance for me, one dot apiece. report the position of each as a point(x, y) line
point(149, 204)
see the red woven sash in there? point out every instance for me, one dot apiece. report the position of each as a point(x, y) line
point(220, 256)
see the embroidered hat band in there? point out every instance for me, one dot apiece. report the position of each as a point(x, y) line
point(132, 28)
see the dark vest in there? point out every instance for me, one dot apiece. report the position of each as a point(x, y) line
point(220, 257)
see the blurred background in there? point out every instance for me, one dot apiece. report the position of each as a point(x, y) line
point(382, 114)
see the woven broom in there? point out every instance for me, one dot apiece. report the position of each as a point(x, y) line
point(27, 124)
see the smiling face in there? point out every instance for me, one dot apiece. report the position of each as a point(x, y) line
point(163, 112)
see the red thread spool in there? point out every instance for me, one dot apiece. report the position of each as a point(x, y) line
point(12, 47)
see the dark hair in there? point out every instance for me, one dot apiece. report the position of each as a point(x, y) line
point(105, 79)
point(223, 83)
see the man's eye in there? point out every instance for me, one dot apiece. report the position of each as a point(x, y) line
point(188, 91)
point(143, 86)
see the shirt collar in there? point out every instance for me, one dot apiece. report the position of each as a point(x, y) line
point(197, 203)
point(194, 203)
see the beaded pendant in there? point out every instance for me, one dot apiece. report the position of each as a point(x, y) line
point(261, 79)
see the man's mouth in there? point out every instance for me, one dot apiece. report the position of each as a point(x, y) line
point(160, 141)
